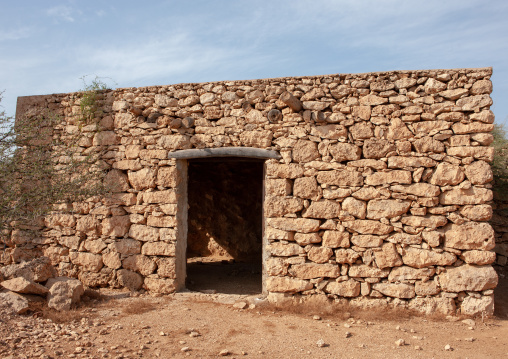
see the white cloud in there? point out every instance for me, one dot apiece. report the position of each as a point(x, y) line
point(62, 12)
point(15, 34)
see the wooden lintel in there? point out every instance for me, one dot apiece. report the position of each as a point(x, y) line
point(249, 152)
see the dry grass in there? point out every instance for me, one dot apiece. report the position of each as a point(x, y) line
point(139, 306)
point(60, 317)
point(91, 294)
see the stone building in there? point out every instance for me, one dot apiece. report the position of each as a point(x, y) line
point(372, 188)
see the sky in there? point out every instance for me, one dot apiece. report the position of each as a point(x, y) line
point(50, 46)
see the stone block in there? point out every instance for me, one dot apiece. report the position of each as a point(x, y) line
point(313, 270)
point(287, 285)
point(302, 225)
point(386, 208)
point(159, 249)
point(117, 226)
point(420, 258)
point(348, 288)
point(468, 278)
point(324, 208)
point(129, 279)
point(24, 286)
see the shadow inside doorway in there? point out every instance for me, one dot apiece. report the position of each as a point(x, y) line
point(224, 240)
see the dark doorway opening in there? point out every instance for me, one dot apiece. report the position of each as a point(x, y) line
point(224, 239)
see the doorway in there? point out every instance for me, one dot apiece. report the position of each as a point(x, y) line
point(225, 221)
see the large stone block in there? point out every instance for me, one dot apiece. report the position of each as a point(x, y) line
point(428, 221)
point(386, 208)
point(470, 235)
point(60, 220)
point(481, 212)
point(307, 187)
point(126, 246)
point(174, 142)
point(345, 152)
point(142, 179)
point(116, 181)
point(287, 285)
point(405, 162)
point(347, 256)
point(343, 178)
point(166, 267)
point(397, 290)
point(167, 177)
point(395, 176)
point(479, 172)
point(348, 288)
point(139, 263)
point(160, 285)
point(468, 278)
point(319, 254)
point(89, 261)
point(161, 221)
point(355, 207)
point(366, 240)
point(129, 279)
point(362, 270)
point(144, 233)
point(95, 246)
point(278, 206)
point(17, 302)
point(332, 132)
point(291, 170)
point(447, 174)
point(420, 258)
point(117, 226)
point(335, 239)
point(433, 305)
point(405, 274)
point(388, 257)
point(257, 139)
point(112, 260)
point(322, 209)
point(365, 226)
point(159, 249)
point(302, 225)
point(37, 270)
point(473, 195)
point(283, 187)
point(24, 286)
point(279, 249)
point(474, 103)
point(167, 196)
point(64, 292)
point(418, 189)
point(478, 257)
point(313, 270)
point(305, 151)
point(478, 306)
point(377, 148)
point(478, 152)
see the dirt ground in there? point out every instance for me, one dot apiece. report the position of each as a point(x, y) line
point(202, 324)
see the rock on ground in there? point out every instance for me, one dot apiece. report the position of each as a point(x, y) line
point(64, 292)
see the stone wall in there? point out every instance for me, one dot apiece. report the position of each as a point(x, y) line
point(381, 195)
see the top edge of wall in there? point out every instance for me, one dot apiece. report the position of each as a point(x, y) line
point(490, 69)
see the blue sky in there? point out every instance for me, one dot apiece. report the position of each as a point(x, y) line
point(47, 46)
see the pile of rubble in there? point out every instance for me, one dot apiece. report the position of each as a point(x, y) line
point(35, 280)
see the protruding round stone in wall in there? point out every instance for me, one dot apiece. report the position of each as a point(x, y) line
point(274, 116)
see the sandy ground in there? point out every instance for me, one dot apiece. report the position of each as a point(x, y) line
point(202, 325)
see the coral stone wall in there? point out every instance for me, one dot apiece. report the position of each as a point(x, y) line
point(381, 194)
